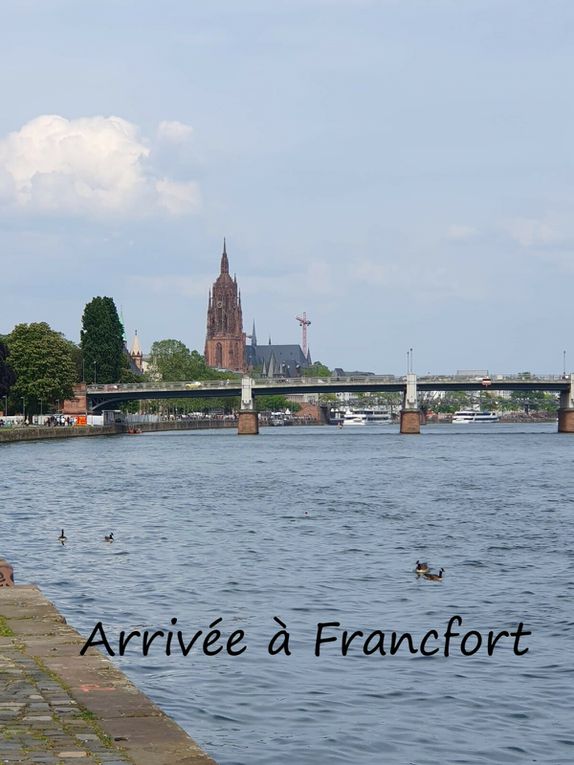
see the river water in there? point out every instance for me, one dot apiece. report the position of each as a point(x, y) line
point(317, 525)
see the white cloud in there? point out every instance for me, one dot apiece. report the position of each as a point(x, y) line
point(176, 132)
point(532, 232)
point(460, 233)
point(87, 166)
point(370, 272)
point(173, 284)
point(178, 197)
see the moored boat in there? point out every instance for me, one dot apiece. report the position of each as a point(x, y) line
point(366, 417)
point(470, 415)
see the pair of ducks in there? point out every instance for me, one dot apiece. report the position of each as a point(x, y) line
point(422, 568)
point(63, 538)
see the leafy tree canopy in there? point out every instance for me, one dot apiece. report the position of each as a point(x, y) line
point(102, 341)
point(275, 403)
point(7, 375)
point(43, 362)
point(174, 362)
point(534, 400)
point(316, 370)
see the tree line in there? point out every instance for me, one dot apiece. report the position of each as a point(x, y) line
point(39, 367)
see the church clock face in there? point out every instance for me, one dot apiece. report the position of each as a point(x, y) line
point(220, 303)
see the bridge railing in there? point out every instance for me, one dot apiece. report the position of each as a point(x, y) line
point(154, 386)
point(261, 382)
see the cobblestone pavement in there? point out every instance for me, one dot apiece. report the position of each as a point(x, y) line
point(40, 723)
point(57, 707)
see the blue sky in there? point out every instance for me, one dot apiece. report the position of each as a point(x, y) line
point(400, 169)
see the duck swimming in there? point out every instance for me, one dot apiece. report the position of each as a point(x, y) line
point(421, 568)
point(109, 537)
point(62, 538)
point(435, 577)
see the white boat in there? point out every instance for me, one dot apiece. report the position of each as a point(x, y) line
point(377, 417)
point(366, 417)
point(354, 418)
point(280, 418)
point(470, 415)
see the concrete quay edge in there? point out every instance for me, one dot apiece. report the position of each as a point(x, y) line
point(32, 630)
point(20, 435)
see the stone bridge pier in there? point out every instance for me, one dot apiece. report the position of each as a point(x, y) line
point(248, 424)
point(410, 417)
point(566, 411)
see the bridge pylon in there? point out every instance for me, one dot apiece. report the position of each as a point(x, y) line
point(410, 417)
point(248, 424)
point(566, 411)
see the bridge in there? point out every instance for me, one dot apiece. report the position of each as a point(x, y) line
point(109, 396)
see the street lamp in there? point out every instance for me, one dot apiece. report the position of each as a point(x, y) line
point(411, 352)
point(6, 407)
point(95, 372)
point(564, 361)
point(24, 408)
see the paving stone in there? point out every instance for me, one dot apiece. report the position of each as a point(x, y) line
point(37, 718)
point(41, 719)
point(72, 755)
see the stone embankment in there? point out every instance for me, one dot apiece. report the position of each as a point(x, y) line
point(16, 435)
point(58, 707)
point(153, 427)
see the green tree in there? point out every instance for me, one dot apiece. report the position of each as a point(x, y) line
point(316, 370)
point(78, 359)
point(102, 341)
point(453, 401)
point(173, 361)
point(43, 363)
point(534, 400)
point(275, 403)
point(7, 376)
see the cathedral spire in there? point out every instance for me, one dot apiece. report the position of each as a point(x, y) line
point(225, 339)
point(224, 261)
point(136, 348)
point(253, 335)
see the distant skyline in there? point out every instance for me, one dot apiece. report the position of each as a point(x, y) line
point(401, 170)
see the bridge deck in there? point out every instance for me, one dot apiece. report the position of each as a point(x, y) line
point(105, 396)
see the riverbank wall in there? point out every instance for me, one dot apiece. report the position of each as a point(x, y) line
point(17, 435)
point(156, 427)
point(21, 434)
point(57, 706)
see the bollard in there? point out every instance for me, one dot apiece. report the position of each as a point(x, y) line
point(6, 574)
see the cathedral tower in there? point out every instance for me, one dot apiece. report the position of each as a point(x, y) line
point(225, 340)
